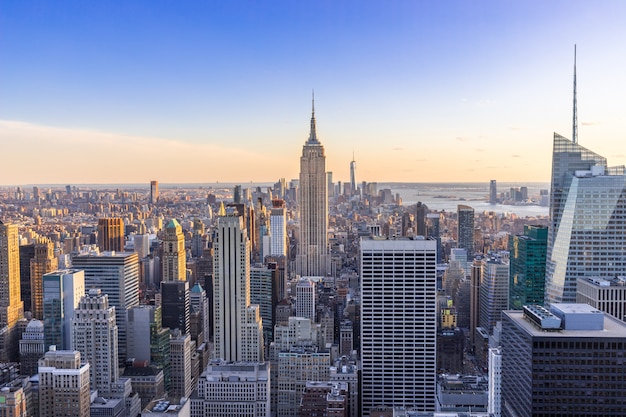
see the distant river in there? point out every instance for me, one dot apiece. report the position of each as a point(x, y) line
point(446, 196)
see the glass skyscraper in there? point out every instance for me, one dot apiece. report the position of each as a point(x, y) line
point(528, 267)
point(587, 236)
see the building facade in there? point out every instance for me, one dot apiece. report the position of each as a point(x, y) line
point(587, 235)
point(111, 234)
point(11, 305)
point(313, 258)
point(63, 385)
point(398, 323)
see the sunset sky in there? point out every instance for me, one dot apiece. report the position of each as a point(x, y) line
point(205, 91)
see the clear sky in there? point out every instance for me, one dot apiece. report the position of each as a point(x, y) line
point(203, 91)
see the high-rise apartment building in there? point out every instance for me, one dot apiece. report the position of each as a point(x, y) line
point(528, 267)
point(568, 361)
point(278, 228)
point(313, 258)
point(465, 228)
point(62, 291)
point(63, 385)
point(154, 192)
point(94, 335)
point(111, 234)
point(494, 291)
point(238, 330)
point(117, 275)
point(174, 255)
point(11, 305)
point(43, 262)
point(305, 298)
point(587, 235)
point(398, 323)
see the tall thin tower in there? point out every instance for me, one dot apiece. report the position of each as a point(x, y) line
point(313, 258)
point(174, 255)
point(353, 175)
point(11, 305)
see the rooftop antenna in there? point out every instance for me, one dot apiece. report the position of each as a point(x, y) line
point(575, 120)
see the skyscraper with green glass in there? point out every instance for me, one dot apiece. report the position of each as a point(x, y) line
point(528, 267)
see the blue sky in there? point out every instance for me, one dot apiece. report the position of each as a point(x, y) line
point(128, 91)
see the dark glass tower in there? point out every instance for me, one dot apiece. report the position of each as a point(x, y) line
point(528, 267)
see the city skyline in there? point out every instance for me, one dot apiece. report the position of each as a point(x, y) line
point(204, 92)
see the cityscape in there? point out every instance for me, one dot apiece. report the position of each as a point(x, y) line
point(306, 276)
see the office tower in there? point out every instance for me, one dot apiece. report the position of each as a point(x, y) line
point(229, 389)
point(264, 291)
point(295, 367)
point(154, 192)
point(174, 255)
point(313, 258)
point(331, 185)
point(142, 245)
point(117, 275)
point(199, 306)
point(63, 385)
point(238, 331)
point(11, 306)
point(475, 274)
point(62, 291)
point(180, 357)
point(27, 252)
point(421, 211)
point(278, 228)
point(528, 267)
point(175, 305)
point(353, 175)
point(94, 335)
point(32, 347)
point(111, 234)
point(605, 295)
point(305, 298)
point(587, 235)
point(398, 290)
point(465, 228)
point(198, 239)
point(493, 192)
point(43, 262)
point(432, 231)
point(495, 382)
point(494, 291)
point(567, 362)
point(148, 340)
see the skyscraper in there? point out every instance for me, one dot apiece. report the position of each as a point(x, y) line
point(43, 262)
point(565, 362)
point(313, 258)
point(465, 229)
point(117, 275)
point(494, 291)
point(175, 303)
point(63, 385)
point(154, 192)
point(238, 332)
point(493, 192)
point(94, 335)
point(278, 228)
point(111, 234)
point(528, 267)
point(353, 175)
point(11, 305)
point(398, 323)
point(587, 236)
point(174, 255)
point(62, 291)
point(305, 298)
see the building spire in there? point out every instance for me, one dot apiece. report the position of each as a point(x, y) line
point(575, 116)
point(313, 133)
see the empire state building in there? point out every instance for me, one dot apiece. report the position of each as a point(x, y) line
point(313, 258)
